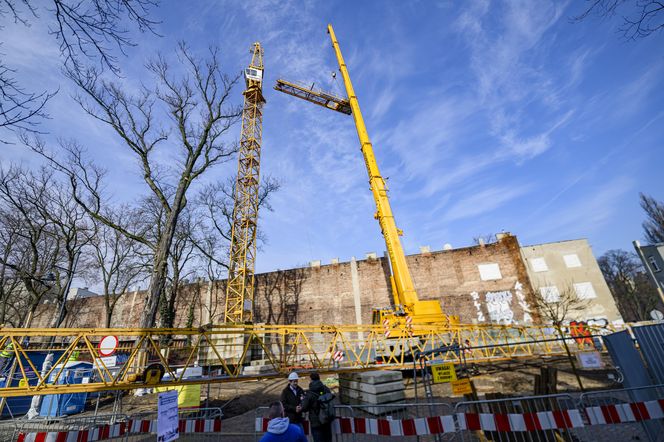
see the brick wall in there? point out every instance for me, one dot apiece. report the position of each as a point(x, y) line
point(326, 294)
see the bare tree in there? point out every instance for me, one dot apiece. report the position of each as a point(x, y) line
point(10, 285)
point(182, 254)
point(47, 232)
point(116, 261)
point(558, 307)
point(629, 284)
point(653, 226)
point(196, 104)
point(640, 18)
point(484, 239)
point(86, 31)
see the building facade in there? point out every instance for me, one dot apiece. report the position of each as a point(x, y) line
point(652, 257)
point(571, 266)
point(485, 283)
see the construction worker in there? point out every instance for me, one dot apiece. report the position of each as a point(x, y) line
point(291, 398)
point(73, 357)
point(6, 356)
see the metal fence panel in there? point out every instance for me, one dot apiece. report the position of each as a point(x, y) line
point(651, 343)
point(534, 418)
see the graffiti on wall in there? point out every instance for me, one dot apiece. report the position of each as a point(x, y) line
point(478, 306)
point(499, 306)
point(521, 298)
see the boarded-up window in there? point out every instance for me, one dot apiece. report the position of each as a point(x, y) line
point(550, 294)
point(585, 290)
point(572, 260)
point(538, 265)
point(489, 272)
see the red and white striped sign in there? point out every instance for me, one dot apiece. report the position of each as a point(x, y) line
point(338, 356)
point(409, 321)
point(387, 333)
point(386, 323)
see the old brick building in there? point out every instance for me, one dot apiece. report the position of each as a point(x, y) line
point(481, 284)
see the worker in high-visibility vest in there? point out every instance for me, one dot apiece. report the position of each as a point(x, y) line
point(6, 355)
point(73, 357)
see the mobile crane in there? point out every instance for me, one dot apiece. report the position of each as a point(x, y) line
point(408, 310)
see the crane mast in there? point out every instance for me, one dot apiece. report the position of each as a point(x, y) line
point(240, 284)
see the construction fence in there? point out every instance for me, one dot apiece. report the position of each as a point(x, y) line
point(616, 415)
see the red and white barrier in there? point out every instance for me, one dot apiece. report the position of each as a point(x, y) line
point(90, 435)
point(384, 427)
point(624, 413)
point(104, 432)
point(543, 420)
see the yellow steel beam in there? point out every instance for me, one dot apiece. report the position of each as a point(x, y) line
point(315, 96)
point(224, 350)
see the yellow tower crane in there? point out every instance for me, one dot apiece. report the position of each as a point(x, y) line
point(240, 288)
point(408, 308)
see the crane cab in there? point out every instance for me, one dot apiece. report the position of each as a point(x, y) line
point(252, 74)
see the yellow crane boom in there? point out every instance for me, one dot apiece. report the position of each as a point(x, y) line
point(406, 300)
point(408, 307)
point(240, 288)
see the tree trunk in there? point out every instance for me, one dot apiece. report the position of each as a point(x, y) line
point(571, 358)
point(160, 270)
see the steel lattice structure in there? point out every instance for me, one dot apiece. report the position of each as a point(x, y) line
point(240, 288)
point(225, 352)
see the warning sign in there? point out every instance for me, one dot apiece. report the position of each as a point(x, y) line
point(443, 373)
point(462, 386)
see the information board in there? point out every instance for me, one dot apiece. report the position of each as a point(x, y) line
point(590, 359)
point(167, 416)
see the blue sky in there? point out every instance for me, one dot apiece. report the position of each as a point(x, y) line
point(485, 116)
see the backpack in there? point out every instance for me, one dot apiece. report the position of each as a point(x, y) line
point(326, 408)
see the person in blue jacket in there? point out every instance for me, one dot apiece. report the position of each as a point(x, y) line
point(279, 428)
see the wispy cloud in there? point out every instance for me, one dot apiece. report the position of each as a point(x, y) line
point(484, 201)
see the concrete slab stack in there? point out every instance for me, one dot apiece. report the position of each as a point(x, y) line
point(371, 388)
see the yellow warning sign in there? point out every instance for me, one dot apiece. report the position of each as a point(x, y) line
point(443, 373)
point(462, 386)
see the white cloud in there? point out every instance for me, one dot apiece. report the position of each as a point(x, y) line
point(484, 201)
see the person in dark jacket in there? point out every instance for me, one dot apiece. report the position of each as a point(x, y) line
point(292, 397)
point(321, 432)
point(279, 429)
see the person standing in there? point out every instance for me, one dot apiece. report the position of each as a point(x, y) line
point(291, 398)
point(321, 431)
point(279, 429)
